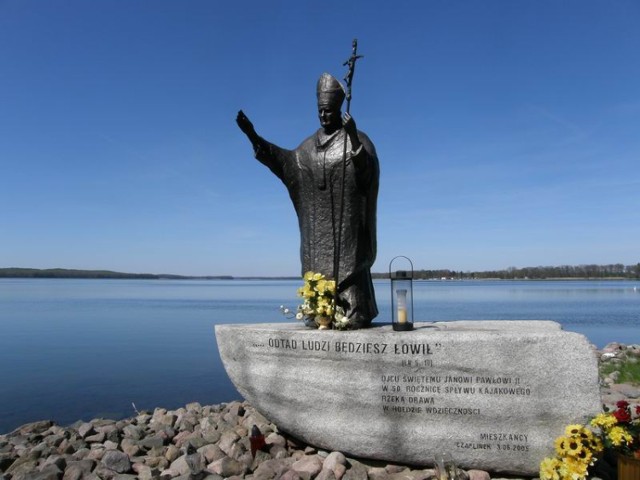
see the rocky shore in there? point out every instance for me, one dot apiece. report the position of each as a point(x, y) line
point(215, 442)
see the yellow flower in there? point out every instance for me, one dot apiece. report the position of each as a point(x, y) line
point(618, 435)
point(562, 446)
point(596, 444)
point(306, 291)
point(575, 430)
point(549, 469)
point(574, 447)
point(308, 276)
point(604, 421)
point(573, 468)
point(321, 286)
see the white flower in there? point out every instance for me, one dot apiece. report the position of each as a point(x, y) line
point(299, 316)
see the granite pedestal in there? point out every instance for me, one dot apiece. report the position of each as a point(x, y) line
point(493, 394)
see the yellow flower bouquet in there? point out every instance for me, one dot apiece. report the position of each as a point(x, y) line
point(581, 445)
point(319, 303)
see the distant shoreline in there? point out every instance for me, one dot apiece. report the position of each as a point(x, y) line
point(108, 274)
point(16, 272)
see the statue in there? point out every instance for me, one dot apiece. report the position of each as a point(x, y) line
point(332, 180)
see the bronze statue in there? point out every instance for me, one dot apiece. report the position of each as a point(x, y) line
point(332, 179)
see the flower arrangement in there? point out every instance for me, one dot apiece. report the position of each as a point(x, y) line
point(319, 306)
point(579, 447)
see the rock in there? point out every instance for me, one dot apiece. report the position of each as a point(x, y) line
point(355, 471)
point(278, 451)
point(228, 439)
point(628, 390)
point(77, 469)
point(133, 431)
point(50, 472)
point(326, 474)
point(211, 453)
point(117, 461)
point(226, 467)
point(180, 466)
point(33, 428)
point(478, 475)
point(172, 453)
point(311, 465)
point(452, 386)
point(130, 447)
point(333, 460)
point(6, 459)
point(378, 473)
point(274, 468)
point(99, 437)
point(21, 466)
point(110, 445)
point(275, 439)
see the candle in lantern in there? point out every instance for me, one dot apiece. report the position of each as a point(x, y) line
point(402, 305)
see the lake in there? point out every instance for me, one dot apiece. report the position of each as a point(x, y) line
point(79, 349)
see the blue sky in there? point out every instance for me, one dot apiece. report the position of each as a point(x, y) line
point(507, 131)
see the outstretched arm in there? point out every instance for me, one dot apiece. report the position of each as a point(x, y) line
point(267, 153)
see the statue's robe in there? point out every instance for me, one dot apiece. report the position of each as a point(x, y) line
point(313, 175)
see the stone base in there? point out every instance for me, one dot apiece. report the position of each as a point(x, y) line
point(493, 394)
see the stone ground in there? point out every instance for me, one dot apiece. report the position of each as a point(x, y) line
point(213, 443)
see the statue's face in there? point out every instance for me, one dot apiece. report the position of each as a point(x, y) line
point(330, 118)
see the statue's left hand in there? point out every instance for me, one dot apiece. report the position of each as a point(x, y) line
point(349, 125)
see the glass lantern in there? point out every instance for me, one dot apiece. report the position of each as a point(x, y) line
point(401, 297)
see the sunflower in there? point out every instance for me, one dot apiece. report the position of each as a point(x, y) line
point(573, 430)
point(574, 447)
point(562, 446)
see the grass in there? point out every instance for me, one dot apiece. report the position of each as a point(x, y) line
point(629, 371)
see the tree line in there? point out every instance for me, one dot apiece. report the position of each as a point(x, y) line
point(93, 274)
point(590, 271)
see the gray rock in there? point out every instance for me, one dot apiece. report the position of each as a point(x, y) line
point(404, 397)
point(227, 440)
point(311, 464)
point(117, 461)
point(50, 472)
point(21, 466)
point(275, 439)
point(226, 467)
point(274, 468)
point(211, 453)
point(180, 466)
point(130, 447)
point(626, 389)
point(172, 453)
point(86, 429)
point(355, 471)
point(33, 428)
point(133, 431)
point(334, 459)
point(6, 459)
point(478, 475)
point(155, 441)
point(326, 474)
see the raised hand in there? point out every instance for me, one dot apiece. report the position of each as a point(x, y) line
point(246, 126)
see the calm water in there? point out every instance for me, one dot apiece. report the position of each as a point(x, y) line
point(78, 349)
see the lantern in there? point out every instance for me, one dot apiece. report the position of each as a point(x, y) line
point(401, 297)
